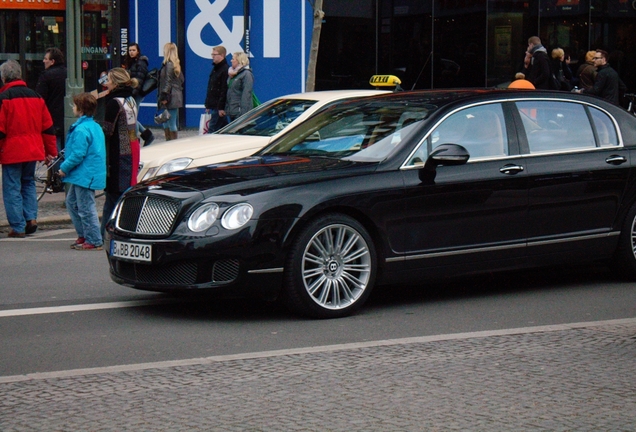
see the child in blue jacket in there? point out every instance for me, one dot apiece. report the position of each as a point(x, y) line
point(84, 169)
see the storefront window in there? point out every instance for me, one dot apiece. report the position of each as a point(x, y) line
point(466, 43)
point(26, 33)
point(97, 41)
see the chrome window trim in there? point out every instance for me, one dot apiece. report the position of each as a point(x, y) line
point(502, 247)
point(620, 145)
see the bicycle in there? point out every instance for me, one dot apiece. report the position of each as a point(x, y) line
point(48, 179)
point(631, 108)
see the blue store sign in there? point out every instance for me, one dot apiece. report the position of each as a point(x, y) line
point(279, 41)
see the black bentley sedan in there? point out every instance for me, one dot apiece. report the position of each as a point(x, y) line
point(393, 188)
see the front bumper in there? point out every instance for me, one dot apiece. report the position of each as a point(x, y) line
point(251, 255)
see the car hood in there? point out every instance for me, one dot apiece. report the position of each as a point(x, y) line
point(256, 173)
point(200, 146)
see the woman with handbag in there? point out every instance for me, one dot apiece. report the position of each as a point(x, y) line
point(240, 86)
point(170, 89)
point(137, 67)
point(122, 143)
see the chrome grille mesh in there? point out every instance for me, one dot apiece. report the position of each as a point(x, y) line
point(171, 274)
point(178, 273)
point(225, 270)
point(147, 215)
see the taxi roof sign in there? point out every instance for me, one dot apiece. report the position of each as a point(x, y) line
point(384, 81)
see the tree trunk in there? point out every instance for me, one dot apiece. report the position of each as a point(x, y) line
point(315, 41)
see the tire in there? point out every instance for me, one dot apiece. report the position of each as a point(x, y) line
point(41, 177)
point(625, 257)
point(331, 268)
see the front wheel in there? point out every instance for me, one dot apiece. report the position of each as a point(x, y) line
point(41, 177)
point(625, 256)
point(331, 268)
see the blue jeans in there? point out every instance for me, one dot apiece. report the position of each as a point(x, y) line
point(18, 194)
point(172, 123)
point(80, 203)
point(216, 121)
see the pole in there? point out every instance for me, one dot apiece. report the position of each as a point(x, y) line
point(318, 14)
point(74, 78)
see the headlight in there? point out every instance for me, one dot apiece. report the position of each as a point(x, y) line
point(203, 217)
point(237, 216)
point(150, 173)
point(174, 165)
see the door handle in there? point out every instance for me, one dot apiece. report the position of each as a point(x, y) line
point(511, 169)
point(616, 160)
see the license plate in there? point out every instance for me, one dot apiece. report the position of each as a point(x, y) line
point(130, 251)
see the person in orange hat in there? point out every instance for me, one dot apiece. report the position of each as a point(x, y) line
point(521, 82)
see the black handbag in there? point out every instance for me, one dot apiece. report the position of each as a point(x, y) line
point(150, 83)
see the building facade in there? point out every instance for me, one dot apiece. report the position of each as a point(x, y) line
point(427, 43)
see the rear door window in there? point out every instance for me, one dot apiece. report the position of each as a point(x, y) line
point(556, 126)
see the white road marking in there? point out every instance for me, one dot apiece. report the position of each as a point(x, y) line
point(310, 350)
point(41, 236)
point(83, 307)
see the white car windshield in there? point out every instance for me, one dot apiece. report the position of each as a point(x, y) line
point(269, 118)
point(363, 131)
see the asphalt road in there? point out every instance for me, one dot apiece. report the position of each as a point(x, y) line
point(65, 327)
point(43, 272)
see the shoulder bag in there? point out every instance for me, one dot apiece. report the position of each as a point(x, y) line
point(150, 83)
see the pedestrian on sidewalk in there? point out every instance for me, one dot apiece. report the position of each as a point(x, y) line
point(217, 89)
point(52, 87)
point(607, 83)
point(240, 86)
point(27, 135)
point(170, 89)
point(122, 143)
point(84, 169)
point(137, 67)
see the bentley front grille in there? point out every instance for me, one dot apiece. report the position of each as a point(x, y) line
point(147, 215)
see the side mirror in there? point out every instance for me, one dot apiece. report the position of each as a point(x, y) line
point(445, 154)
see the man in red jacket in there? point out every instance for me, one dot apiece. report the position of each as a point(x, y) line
point(27, 135)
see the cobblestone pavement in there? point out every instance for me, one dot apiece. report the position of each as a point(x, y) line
point(556, 378)
point(50, 210)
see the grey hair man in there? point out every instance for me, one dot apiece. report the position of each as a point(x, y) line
point(27, 136)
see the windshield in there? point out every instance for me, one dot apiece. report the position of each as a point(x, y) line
point(269, 118)
point(361, 131)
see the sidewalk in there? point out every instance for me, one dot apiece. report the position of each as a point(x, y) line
point(50, 210)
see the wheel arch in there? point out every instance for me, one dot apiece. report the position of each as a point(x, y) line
point(367, 223)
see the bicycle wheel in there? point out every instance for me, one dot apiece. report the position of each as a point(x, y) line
point(42, 174)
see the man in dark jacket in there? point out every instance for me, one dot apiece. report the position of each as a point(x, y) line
point(52, 87)
point(607, 84)
point(217, 89)
point(539, 70)
point(26, 136)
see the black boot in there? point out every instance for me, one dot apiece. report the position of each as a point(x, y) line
point(148, 137)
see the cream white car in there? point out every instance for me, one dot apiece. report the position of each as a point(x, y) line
point(242, 137)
